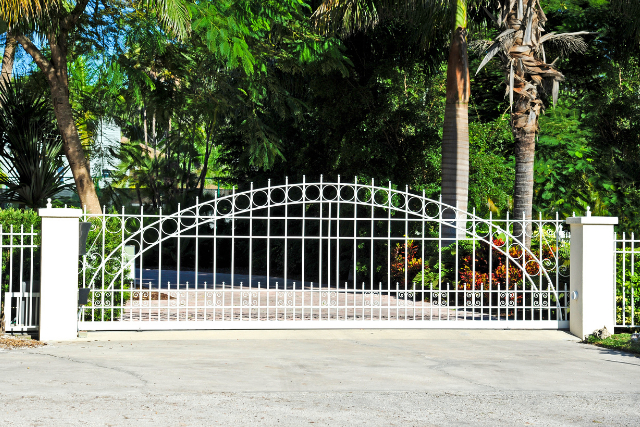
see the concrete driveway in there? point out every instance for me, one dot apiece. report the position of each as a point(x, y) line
point(321, 377)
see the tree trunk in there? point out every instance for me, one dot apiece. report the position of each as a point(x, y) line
point(55, 71)
point(525, 72)
point(73, 147)
point(8, 58)
point(153, 131)
point(208, 148)
point(525, 150)
point(139, 195)
point(144, 124)
point(455, 137)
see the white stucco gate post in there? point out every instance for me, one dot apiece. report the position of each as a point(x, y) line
point(592, 286)
point(59, 273)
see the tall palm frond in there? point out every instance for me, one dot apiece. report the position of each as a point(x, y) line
point(21, 108)
point(174, 15)
point(14, 11)
point(346, 17)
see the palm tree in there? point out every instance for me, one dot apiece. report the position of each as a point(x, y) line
point(354, 15)
point(455, 132)
point(528, 75)
point(56, 22)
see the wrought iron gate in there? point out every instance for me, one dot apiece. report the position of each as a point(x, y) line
point(321, 255)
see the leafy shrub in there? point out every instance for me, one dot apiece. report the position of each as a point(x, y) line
point(474, 271)
point(414, 264)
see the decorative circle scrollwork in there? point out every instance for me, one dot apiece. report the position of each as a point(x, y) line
point(329, 193)
point(348, 193)
point(278, 196)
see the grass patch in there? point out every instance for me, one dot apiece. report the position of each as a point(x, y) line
point(620, 342)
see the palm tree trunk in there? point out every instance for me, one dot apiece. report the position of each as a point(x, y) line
point(455, 135)
point(525, 74)
point(525, 149)
point(56, 73)
point(8, 58)
point(73, 147)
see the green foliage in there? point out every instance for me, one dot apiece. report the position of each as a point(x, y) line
point(263, 44)
point(566, 174)
point(613, 115)
point(20, 219)
point(490, 173)
point(382, 121)
point(239, 32)
point(603, 95)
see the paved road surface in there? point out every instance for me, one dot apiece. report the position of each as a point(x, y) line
point(320, 378)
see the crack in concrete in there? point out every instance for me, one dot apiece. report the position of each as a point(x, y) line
point(119, 370)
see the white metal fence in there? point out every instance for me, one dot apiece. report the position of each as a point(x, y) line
point(20, 278)
point(627, 279)
point(322, 255)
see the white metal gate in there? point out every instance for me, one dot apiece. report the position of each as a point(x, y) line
point(321, 255)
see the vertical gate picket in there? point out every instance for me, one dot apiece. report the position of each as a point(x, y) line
point(160, 230)
point(439, 293)
point(372, 241)
point(490, 257)
point(422, 245)
point(633, 250)
point(286, 235)
point(338, 256)
point(388, 235)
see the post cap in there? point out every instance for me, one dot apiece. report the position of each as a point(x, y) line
point(593, 220)
point(59, 212)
